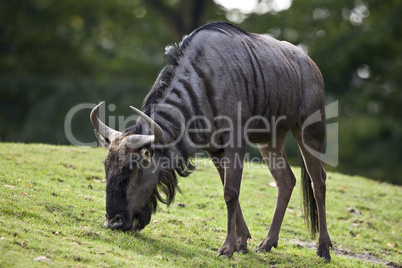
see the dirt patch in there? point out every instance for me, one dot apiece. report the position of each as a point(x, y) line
point(363, 257)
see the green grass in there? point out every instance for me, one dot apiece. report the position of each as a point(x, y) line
point(52, 204)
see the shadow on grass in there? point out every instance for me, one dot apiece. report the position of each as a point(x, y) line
point(206, 253)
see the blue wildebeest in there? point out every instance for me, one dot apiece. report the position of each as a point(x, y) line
point(217, 94)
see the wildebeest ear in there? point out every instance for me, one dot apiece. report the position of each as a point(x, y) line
point(147, 153)
point(105, 142)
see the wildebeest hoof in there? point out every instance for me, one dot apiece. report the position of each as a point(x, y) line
point(222, 255)
point(324, 253)
point(266, 246)
point(225, 254)
point(226, 251)
point(243, 250)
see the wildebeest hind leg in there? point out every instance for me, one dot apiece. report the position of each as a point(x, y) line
point(277, 163)
point(242, 232)
point(311, 143)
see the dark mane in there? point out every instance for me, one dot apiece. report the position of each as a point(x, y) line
point(174, 53)
point(168, 180)
point(168, 183)
point(165, 191)
point(162, 82)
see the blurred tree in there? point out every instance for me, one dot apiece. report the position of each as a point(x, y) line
point(182, 16)
point(55, 54)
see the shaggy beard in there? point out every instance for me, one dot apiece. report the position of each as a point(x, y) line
point(167, 185)
point(141, 218)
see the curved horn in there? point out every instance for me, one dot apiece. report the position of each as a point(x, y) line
point(100, 127)
point(147, 139)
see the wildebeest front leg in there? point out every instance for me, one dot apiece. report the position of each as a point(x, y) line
point(233, 169)
point(285, 182)
point(242, 232)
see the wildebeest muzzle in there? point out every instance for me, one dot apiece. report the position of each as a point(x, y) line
point(120, 221)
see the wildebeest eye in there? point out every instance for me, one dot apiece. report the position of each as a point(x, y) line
point(150, 149)
point(147, 153)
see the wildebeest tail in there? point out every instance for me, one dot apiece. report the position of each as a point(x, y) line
point(308, 201)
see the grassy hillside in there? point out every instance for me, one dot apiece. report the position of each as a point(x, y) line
point(52, 206)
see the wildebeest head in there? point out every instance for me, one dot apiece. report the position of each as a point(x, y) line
point(131, 174)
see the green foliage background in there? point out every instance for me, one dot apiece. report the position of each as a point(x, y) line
point(57, 54)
